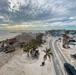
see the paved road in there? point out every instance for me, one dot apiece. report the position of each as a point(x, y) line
point(55, 59)
point(59, 53)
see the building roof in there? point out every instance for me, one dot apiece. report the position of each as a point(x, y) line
point(56, 33)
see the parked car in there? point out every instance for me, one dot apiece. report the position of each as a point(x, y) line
point(73, 56)
point(72, 42)
point(70, 69)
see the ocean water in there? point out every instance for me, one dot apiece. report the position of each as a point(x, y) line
point(7, 34)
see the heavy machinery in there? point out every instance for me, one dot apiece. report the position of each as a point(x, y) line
point(9, 49)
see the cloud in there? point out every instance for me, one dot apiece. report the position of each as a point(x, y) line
point(1, 17)
point(25, 10)
point(18, 27)
point(39, 13)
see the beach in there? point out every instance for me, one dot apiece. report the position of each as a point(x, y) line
point(17, 62)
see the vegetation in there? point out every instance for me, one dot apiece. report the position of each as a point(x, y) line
point(65, 41)
point(48, 54)
point(34, 43)
point(50, 32)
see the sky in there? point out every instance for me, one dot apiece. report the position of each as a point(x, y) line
point(37, 14)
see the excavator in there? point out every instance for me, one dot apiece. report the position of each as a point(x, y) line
point(6, 47)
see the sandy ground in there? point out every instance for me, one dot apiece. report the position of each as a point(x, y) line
point(5, 57)
point(20, 64)
point(25, 37)
point(67, 53)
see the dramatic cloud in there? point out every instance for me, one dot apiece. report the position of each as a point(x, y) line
point(37, 13)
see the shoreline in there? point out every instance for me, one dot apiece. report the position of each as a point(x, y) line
point(9, 37)
point(10, 34)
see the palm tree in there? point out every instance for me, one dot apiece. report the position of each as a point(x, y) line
point(65, 40)
point(48, 54)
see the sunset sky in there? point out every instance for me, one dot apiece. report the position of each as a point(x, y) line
point(37, 14)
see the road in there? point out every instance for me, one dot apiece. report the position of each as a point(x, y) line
point(56, 51)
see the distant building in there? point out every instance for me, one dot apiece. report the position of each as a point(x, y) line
point(72, 32)
point(56, 33)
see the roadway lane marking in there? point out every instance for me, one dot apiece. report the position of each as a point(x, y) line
point(58, 66)
point(56, 69)
point(61, 52)
point(58, 55)
point(60, 71)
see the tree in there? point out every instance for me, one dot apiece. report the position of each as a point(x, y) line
point(34, 43)
point(48, 54)
point(39, 39)
point(67, 31)
point(65, 40)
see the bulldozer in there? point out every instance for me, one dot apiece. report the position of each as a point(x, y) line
point(6, 47)
point(26, 49)
point(9, 49)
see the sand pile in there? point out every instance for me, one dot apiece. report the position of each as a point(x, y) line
point(26, 37)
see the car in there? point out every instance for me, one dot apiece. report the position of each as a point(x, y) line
point(72, 42)
point(73, 56)
point(70, 69)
